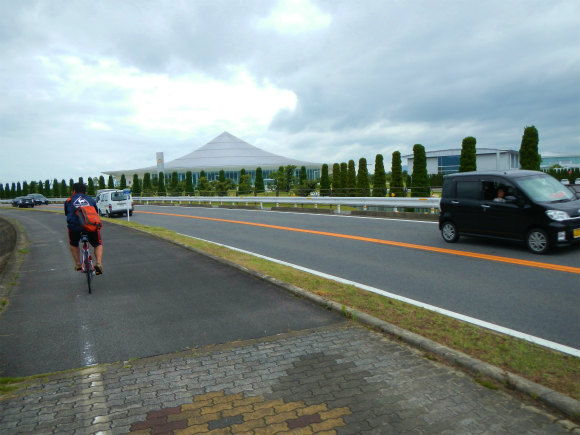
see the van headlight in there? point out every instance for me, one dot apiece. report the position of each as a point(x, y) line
point(557, 215)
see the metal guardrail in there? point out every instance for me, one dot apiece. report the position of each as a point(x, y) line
point(430, 204)
point(364, 202)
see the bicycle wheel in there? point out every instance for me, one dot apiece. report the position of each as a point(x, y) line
point(87, 267)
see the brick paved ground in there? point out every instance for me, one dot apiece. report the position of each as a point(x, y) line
point(335, 380)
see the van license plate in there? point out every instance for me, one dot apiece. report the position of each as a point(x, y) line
point(577, 233)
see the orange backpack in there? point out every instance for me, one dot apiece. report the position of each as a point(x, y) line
point(89, 218)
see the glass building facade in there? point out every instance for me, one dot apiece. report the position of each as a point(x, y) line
point(447, 164)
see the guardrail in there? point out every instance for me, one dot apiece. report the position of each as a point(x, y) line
point(426, 204)
point(430, 204)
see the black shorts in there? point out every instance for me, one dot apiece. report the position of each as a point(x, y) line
point(74, 238)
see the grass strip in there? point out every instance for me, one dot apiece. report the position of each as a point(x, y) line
point(544, 366)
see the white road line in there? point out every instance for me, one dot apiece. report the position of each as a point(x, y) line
point(517, 334)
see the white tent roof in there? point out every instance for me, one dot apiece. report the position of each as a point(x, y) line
point(224, 152)
point(228, 152)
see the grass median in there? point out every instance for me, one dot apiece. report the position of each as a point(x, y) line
point(552, 369)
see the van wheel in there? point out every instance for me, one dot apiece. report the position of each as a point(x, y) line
point(449, 232)
point(538, 241)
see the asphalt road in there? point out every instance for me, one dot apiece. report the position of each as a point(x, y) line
point(153, 298)
point(539, 301)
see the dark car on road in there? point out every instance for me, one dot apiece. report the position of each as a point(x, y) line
point(38, 198)
point(528, 206)
point(22, 202)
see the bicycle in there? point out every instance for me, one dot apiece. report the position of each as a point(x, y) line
point(87, 266)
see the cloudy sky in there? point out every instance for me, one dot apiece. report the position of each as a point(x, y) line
point(89, 86)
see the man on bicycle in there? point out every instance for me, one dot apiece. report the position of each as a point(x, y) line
point(76, 200)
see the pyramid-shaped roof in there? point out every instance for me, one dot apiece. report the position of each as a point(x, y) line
point(227, 152)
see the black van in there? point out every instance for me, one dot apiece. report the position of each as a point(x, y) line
point(522, 205)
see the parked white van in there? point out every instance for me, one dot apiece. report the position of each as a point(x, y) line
point(113, 202)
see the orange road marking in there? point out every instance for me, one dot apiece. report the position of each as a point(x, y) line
point(536, 264)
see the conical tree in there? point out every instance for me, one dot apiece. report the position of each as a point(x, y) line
point(420, 179)
point(91, 187)
point(110, 183)
point(245, 184)
point(102, 182)
point(174, 184)
point(147, 187)
point(189, 190)
point(351, 179)
point(468, 158)
point(259, 182)
point(362, 178)
point(344, 179)
point(336, 180)
point(55, 188)
point(380, 182)
point(161, 185)
point(136, 186)
point(529, 156)
point(324, 181)
point(221, 186)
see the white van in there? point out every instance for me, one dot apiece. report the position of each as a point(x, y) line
point(113, 202)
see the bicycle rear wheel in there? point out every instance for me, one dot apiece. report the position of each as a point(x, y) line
point(87, 267)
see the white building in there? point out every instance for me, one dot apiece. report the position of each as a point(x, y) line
point(447, 161)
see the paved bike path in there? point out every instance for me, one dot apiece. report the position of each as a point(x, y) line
point(153, 298)
point(333, 377)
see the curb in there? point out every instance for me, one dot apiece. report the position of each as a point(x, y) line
point(553, 399)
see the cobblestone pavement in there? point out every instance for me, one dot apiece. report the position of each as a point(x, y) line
point(334, 380)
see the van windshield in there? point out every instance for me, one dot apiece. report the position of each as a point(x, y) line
point(544, 188)
point(118, 196)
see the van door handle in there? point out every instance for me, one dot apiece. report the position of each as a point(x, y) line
point(454, 202)
point(485, 206)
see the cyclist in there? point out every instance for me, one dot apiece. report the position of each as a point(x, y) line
point(78, 199)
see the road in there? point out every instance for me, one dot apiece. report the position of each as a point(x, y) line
point(153, 298)
point(499, 282)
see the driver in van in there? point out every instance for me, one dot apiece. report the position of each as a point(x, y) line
point(500, 195)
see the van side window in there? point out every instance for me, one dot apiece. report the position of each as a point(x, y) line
point(490, 189)
point(468, 190)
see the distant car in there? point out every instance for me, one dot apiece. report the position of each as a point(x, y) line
point(22, 202)
point(564, 181)
point(37, 198)
point(577, 181)
point(115, 202)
